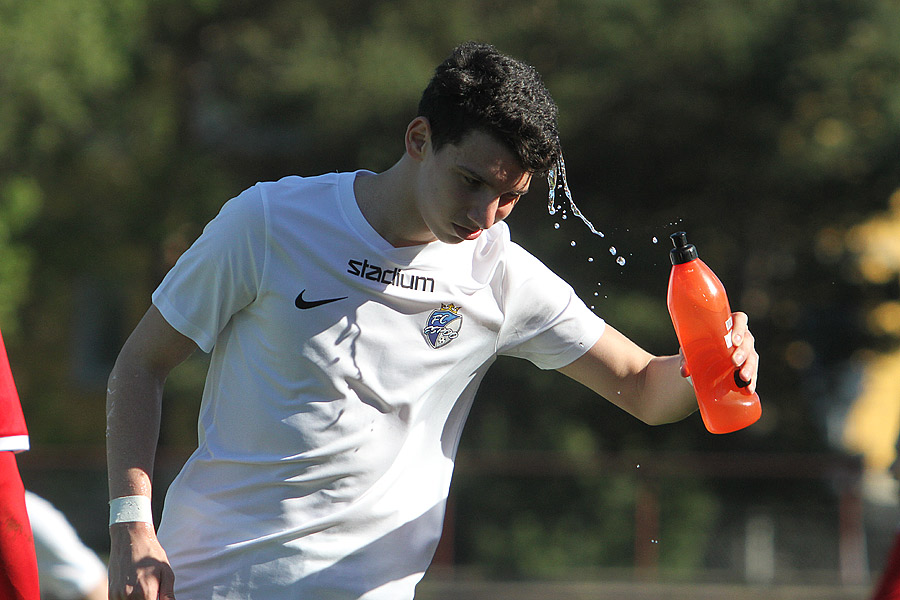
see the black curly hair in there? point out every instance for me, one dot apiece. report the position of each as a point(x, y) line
point(479, 88)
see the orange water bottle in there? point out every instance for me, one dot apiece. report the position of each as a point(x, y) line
point(702, 318)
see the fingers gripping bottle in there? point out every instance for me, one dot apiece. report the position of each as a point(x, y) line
point(702, 318)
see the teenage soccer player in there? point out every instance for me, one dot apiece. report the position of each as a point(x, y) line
point(351, 317)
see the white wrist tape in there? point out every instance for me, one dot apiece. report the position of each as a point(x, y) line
point(130, 509)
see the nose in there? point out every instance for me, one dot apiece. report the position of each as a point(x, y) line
point(484, 212)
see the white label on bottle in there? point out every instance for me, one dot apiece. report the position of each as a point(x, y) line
point(728, 325)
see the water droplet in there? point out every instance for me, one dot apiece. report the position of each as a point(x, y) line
point(654, 541)
point(556, 226)
point(655, 240)
point(590, 259)
point(621, 261)
point(596, 293)
point(572, 243)
point(639, 466)
point(612, 250)
point(598, 283)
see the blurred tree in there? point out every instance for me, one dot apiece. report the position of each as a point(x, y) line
point(64, 63)
point(19, 203)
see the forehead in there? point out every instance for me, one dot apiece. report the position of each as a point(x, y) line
point(483, 155)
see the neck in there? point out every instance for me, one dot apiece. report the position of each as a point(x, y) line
point(387, 201)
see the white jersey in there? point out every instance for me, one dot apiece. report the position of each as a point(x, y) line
point(67, 569)
point(342, 372)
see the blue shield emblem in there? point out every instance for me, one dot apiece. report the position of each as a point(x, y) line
point(443, 325)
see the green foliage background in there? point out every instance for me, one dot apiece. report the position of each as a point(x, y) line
point(765, 129)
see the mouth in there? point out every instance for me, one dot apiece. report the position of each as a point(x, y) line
point(466, 234)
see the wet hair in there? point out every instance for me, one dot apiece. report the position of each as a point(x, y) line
point(479, 88)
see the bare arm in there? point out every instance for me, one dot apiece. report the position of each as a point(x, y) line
point(652, 388)
point(138, 564)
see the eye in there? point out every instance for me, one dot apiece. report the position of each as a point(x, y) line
point(509, 199)
point(470, 181)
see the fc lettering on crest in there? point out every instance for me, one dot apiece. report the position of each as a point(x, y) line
point(442, 326)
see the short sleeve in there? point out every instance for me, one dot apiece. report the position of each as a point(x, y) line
point(219, 274)
point(13, 433)
point(545, 320)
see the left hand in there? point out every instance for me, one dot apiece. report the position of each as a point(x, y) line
point(744, 354)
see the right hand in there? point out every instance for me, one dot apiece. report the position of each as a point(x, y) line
point(138, 566)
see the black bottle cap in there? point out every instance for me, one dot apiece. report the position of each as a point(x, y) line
point(682, 252)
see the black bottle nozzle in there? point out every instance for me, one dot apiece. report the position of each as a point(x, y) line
point(682, 252)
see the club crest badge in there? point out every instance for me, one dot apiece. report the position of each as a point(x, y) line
point(443, 325)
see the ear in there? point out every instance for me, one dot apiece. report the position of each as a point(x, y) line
point(418, 138)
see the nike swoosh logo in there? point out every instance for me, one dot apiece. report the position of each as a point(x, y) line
point(304, 304)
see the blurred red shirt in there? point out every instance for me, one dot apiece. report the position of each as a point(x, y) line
point(13, 433)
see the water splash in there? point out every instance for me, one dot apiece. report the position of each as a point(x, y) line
point(556, 178)
point(551, 197)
